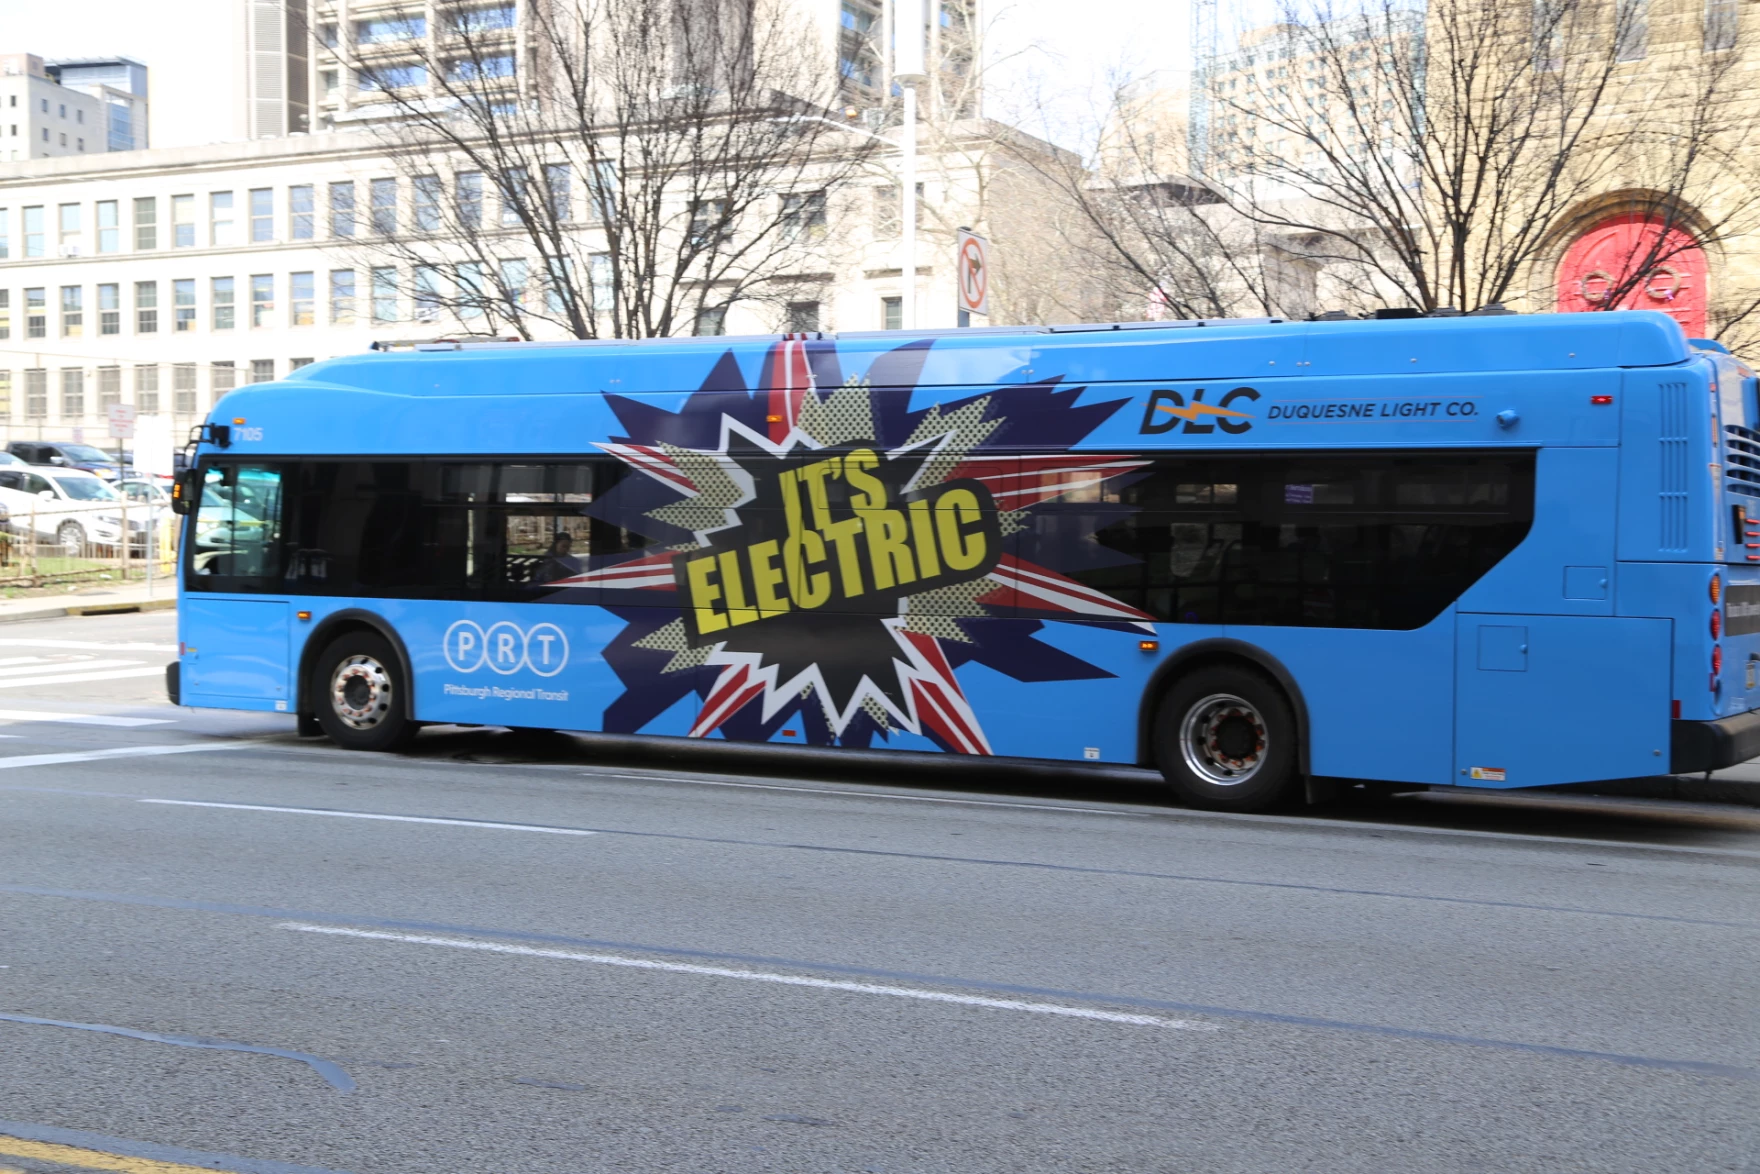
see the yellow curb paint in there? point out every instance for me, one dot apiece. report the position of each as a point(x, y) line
point(67, 1155)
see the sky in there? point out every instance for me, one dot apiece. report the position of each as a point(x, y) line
point(1050, 61)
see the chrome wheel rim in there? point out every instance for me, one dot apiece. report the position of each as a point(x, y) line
point(1223, 740)
point(360, 692)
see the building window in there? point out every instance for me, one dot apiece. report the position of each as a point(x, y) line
point(222, 378)
point(5, 314)
point(262, 299)
point(602, 192)
point(73, 311)
point(183, 305)
point(301, 213)
point(220, 222)
point(384, 196)
point(803, 317)
point(69, 230)
point(513, 196)
point(146, 388)
point(427, 212)
point(109, 387)
point(1631, 29)
point(470, 199)
point(601, 279)
point(146, 223)
point(342, 296)
point(892, 313)
point(109, 226)
point(516, 275)
point(295, 364)
point(1721, 17)
point(471, 69)
point(146, 307)
point(262, 370)
point(36, 313)
point(342, 208)
point(5, 395)
point(803, 215)
point(708, 223)
point(33, 232)
point(262, 215)
point(5, 237)
point(224, 303)
point(110, 308)
point(73, 393)
point(711, 321)
point(376, 78)
point(385, 294)
point(183, 388)
point(384, 29)
point(183, 222)
point(36, 393)
point(471, 293)
point(427, 293)
point(301, 294)
point(556, 187)
point(481, 20)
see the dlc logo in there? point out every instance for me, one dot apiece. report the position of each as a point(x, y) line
point(1167, 409)
point(506, 648)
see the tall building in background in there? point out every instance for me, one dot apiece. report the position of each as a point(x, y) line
point(862, 33)
point(120, 83)
point(276, 79)
point(80, 107)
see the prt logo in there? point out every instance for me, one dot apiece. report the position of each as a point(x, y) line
point(506, 648)
point(1167, 409)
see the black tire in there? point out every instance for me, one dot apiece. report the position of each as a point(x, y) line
point(1225, 740)
point(357, 693)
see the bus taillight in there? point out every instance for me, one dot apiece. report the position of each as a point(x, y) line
point(1716, 623)
point(1716, 665)
point(1717, 589)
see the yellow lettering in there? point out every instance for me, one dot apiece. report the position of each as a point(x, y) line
point(738, 610)
point(843, 537)
point(704, 593)
point(870, 490)
point(814, 475)
point(791, 500)
point(765, 578)
point(887, 551)
point(807, 591)
point(923, 536)
point(960, 551)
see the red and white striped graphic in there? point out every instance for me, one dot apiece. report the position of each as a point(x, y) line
point(1019, 482)
point(1027, 585)
point(650, 573)
point(653, 462)
point(940, 703)
point(733, 690)
point(789, 376)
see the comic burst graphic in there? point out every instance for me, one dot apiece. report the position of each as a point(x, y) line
point(827, 559)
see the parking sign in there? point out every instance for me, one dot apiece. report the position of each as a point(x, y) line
point(974, 273)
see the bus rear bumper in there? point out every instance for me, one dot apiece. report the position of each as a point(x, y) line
point(1701, 746)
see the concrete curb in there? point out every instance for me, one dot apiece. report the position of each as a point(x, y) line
point(112, 607)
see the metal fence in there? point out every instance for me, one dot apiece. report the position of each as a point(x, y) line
point(52, 543)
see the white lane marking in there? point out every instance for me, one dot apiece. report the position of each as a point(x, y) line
point(873, 795)
point(823, 984)
point(68, 663)
point(21, 760)
point(463, 823)
point(94, 645)
point(76, 678)
point(82, 719)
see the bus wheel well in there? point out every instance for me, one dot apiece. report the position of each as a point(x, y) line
point(340, 624)
point(1207, 653)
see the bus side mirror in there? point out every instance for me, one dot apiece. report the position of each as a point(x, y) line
point(183, 492)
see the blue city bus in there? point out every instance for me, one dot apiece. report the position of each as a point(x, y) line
point(1264, 557)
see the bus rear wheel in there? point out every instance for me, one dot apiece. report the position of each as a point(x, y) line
point(1225, 739)
point(357, 693)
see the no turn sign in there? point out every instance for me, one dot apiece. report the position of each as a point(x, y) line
point(974, 273)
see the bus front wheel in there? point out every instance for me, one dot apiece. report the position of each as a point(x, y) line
point(357, 693)
point(1225, 739)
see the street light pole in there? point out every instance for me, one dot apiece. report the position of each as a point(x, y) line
point(908, 71)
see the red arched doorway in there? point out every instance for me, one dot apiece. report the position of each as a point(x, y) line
point(1601, 259)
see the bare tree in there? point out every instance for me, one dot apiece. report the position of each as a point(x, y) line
point(606, 168)
point(1443, 156)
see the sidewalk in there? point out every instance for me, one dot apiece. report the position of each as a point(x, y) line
point(96, 599)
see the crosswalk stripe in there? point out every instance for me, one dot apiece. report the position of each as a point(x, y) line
point(87, 645)
point(82, 664)
point(75, 678)
point(82, 719)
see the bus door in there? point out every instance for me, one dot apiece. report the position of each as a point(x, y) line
point(234, 642)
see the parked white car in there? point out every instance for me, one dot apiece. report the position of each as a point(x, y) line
point(74, 508)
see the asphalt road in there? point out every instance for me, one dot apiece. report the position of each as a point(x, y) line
point(223, 946)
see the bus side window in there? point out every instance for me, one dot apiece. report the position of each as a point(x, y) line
point(236, 531)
